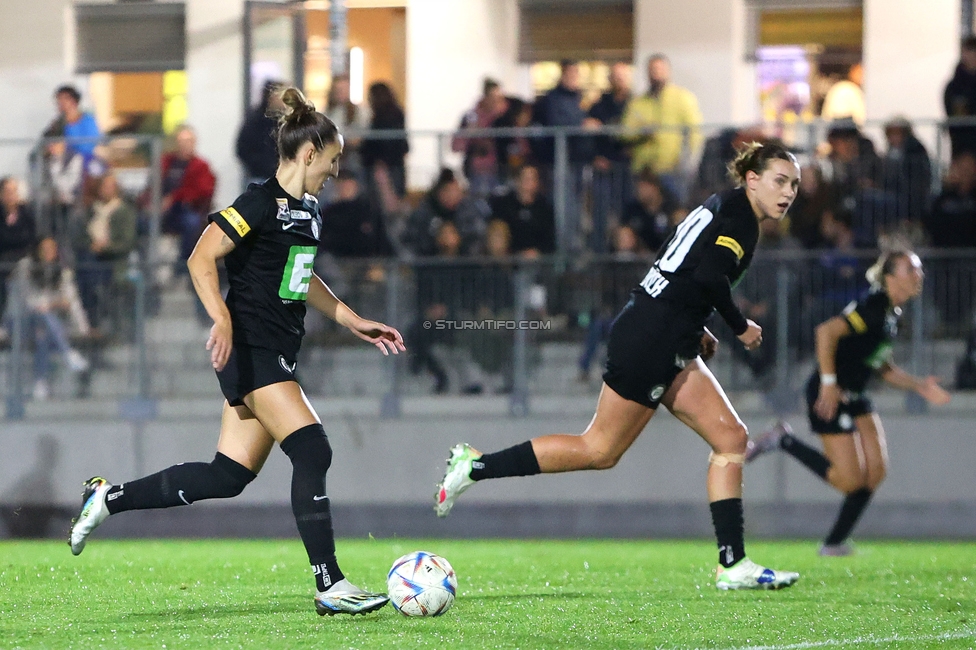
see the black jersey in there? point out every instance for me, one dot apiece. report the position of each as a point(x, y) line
point(269, 270)
point(705, 256)
point(873, 323)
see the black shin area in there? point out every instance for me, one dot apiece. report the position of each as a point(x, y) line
point(311, 456)
point(850, 512)
point(729, 530)
point(181, 485)
point(813, 459)
point(519, 460)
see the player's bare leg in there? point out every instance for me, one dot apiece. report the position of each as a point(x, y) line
point(613, 429)
point(847, 471)
point(858, 465)
point(243, 438)
point(697, 399)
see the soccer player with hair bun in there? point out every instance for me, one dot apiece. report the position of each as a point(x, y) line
point(851, 348)
point(268, 239)
point(655, 356)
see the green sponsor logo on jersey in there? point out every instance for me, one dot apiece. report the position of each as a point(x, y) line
point(880, 356)
point(298, 273)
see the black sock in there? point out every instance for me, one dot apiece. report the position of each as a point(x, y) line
point(728, 521)
point(181, 485)
point(519, 460)
point(311, 456)
point(850, 512)
point(806, 454)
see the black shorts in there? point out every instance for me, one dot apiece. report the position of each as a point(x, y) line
point(251, 368)
point(851, 406)
point(651, 341)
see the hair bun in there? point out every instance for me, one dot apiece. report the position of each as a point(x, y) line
point(294, 99)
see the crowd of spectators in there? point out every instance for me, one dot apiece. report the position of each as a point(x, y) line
point(77, 243)
point(621, 192)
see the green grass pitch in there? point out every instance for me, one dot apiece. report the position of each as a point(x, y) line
point(511, 594)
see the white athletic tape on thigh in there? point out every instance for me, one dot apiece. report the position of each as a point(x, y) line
point(722, 460)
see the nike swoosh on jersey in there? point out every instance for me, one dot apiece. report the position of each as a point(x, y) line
point(320, 498)
point(182, 498)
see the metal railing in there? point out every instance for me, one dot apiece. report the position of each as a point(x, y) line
point(150, 343)
point(480, 325)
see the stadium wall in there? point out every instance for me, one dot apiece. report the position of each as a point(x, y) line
point(35, 57)
point(706, 43)
point(384, 472)
point(910, 51)
point(451, 47)
point(215, 74)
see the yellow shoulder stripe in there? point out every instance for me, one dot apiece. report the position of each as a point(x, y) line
point(235, 219)
point(857, 322)
point(732, 245)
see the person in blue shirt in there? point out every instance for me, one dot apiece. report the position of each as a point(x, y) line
point(78, 127)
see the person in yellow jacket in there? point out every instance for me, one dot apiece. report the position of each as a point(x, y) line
point(671, 107)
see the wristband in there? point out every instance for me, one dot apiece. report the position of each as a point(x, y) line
point(828, 380)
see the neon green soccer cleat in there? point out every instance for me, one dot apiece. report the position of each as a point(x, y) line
point(93, 513)
point(456, 479)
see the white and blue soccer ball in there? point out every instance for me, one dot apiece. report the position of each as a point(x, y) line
point(421, 584)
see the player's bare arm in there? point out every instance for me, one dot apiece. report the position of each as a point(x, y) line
point(927, 387)
point(828, 334)
point(202, 264)
point(387, 339)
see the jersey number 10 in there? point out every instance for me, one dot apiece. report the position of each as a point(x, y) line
point(674, 253)
point(684, 238)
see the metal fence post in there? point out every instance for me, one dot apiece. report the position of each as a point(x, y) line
point(560, 192)
point(915, 403)
point(15, 379)
point(141, 407)
point(137, 275)
point(440, 151)
point(155, 200)
point(937, 173)
point(390, 406)
point(783, 397)
point(518, 405)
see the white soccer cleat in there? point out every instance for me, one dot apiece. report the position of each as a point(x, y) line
point(746, 574)
point(836, 550)
point(93, 513)
point(346, 598)
point(767, 441)
point(76, 361)
point(456, 479)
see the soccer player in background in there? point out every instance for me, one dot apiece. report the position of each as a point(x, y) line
point(850, 348)
point(653, 359)
point(268, 239)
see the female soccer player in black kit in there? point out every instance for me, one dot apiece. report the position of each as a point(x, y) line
point(850, 349)
point(268, 239)
point(653, 358)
